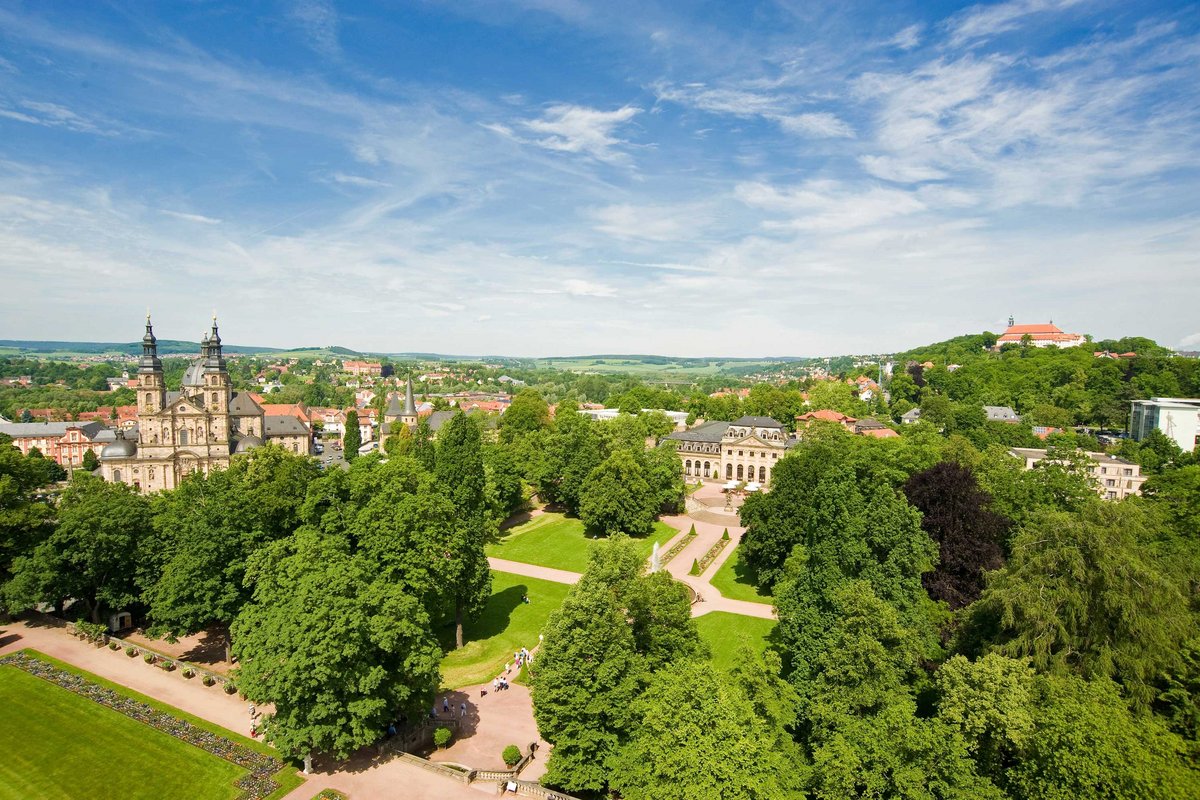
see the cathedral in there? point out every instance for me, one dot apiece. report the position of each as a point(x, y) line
point(198, 428)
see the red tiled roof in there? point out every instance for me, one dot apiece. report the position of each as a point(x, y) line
point(879, 433)
point(825, 415)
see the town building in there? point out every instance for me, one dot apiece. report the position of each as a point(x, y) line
point(197, 429)
point(1178, 418)
point(1001, 414)
point(64, 442)
point(1048, 335)
point(397, 414)
point(363, 369)
point(745, 450)
point(1114, 478)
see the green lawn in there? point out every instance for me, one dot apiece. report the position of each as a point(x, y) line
point(57, 744)
point(735, 580)
point(505, 626)
point(553, 540)
point(726, 633)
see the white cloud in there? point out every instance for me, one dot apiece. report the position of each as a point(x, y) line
point(829, 206)
point(570, 128)
point(895, 169)
point(1189, 341)
point(720, 100)
point(318, 20)
point(907, 38)
point(200, 218)
point(820, 124)
point(357, 180)
point(582, 288)
point(53, 115)
point(658, 223)
point(986, 20)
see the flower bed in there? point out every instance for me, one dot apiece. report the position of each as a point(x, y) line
point(256, 784)
point(677, 548)
point(712, 553)
point(330, 794)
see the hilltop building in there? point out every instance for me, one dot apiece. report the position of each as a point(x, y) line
point(1048, 335)
point(196, 429)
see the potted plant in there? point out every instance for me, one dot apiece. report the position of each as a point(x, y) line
point(131, 651)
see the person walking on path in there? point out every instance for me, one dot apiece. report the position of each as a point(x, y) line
point(462, 710)
point(445, 705)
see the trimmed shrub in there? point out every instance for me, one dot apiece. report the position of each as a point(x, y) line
point(188, 673)
point(692, 530)
point(148, 658)
point(91, 631)
point(131, 651)
point(114, 646)
point(725, 535)
point(208, 680)
point(230, 688)
point(442, 737)
point(511, 755)
point(168, 666)
point(695, 570)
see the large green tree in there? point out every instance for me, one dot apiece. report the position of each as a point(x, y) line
point(1087, 593)
point(617, 498)
point(697, 736)
point(461, 473)
point(91, 553)
point(339, 650)
point(351, 436)
point(527, 413)
point(25, 518)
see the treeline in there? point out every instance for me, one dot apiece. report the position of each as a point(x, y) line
point(343, 577)
point(953, 622)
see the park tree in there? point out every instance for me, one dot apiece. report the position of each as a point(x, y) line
point(192, 569)
point(1176, 494)
point(25, 518)
point(423, 448)
point(352, 437)
point(664, 473)
point(834, 395)
point(338, 650)
point(1087, 744)
point(661, 615)
point(617, 498)
point(505, 490)
point(937, 410)
point(90, 461)
point(860, 722)
point(461, 473)
point(528, 412)
point(399, 441)
point(1087, 593)
point(697, 736)
point(955, 513)
point(581, 453)
point(90, 554)
point(588, 676)
point(867, 534)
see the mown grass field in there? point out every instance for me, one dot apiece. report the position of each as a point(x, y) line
point(735, 580)
point(57, 744)
point(726, 634)
point(505, 626)
point(553, 540)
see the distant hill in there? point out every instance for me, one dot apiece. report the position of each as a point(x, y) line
point(166, 347)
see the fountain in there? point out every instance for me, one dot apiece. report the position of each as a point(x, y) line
point(655, 562)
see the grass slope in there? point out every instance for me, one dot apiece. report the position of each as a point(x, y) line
point(552, 540)
point(736, 581)
point(57, 744)
point(505, 626)
point(726, 633)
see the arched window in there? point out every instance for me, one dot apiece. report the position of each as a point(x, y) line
point(687, 467)
point(183, 436)
point(739, 472)
point(707, 469)
point(116, 476)
point(729, 472)
point(762, 474)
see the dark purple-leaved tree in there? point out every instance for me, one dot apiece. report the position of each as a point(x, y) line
point(957, 515)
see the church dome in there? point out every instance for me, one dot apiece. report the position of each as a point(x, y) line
point(120, 448)
point(194, 376)
point(247, 443)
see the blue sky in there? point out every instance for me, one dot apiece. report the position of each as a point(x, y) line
point(550, 177)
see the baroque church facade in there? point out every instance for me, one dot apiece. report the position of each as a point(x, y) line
point(196, 429)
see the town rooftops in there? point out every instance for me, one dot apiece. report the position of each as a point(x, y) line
point(708, 432)
point(825, 415)
point(1037, 454)
point(283, 425)
point(1001, 414)
point(23, 430)
point(758, 422)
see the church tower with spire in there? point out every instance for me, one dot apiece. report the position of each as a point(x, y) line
point(217, 387)
point(409, 414)
point(152, 387)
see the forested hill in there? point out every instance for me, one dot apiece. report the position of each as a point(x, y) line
point(1059, 387)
